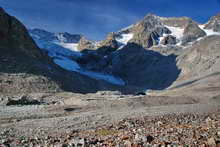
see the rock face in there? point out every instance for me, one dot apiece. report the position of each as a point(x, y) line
point(201, 58)
point(85, 44)
point(60, 37)
point(141, 67)
point(169, 40)
point(214, 23)
point(110, 42)
point(192, 32)
point(148, 31)
point(25, 69)
point(14, 36)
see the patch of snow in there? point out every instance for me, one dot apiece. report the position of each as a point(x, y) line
point(176, 31)
point(209, 32)
point(71, 65)
point(55, 49)
point(70, 46)
point(124, 38)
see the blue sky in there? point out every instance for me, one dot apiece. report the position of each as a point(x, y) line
point(95, 18)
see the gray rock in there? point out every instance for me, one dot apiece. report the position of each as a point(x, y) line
point(85, 44)
point(191, 33)
point(214, 23)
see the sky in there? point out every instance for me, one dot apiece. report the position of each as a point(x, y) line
point(96, 18)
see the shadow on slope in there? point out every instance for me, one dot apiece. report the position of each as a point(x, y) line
point(138, 67)
point(145, 68)
point(20, 74)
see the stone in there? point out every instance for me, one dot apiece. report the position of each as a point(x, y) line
point(211, 142)
point(218, 134)
point(128, 143)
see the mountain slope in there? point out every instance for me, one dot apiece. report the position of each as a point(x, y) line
point(24, 68)
point(153, 50)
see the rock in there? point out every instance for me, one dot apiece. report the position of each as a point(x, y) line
point(191, 33)
point(128, 143)
point(169, 40)
point(147, 31)
point(110, 42)
point(218, 134)
point(85, 44)
point(208, 120)
point(214, 23)
point(14, 37)
point(125, 137)
point(149, 138)
point(23, 100)
point(211, 142)
point(138, 138)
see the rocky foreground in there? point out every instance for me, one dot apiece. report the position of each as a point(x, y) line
point(167, 130)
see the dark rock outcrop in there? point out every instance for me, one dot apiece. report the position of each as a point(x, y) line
point(169, 40)
point(14, 37)
point(142, 67)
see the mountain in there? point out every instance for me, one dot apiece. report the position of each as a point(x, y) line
point(214, 23)
point(152, 49)
point(149, 53)
point(26, 68)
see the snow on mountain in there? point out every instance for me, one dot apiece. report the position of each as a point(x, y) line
point(176, 31)
point(63, 51)
point(124, 38)
point(209, 32)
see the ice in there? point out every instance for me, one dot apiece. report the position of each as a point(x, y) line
point(67, 64)
point(71, 65)
point(54, 49)
point(70, 46)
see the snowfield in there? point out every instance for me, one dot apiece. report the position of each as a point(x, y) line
point(124, 38)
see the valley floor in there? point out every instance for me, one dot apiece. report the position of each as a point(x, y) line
point(111, 119)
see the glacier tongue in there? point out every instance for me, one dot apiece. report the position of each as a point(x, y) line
point(71, 65)
point(61, 53)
